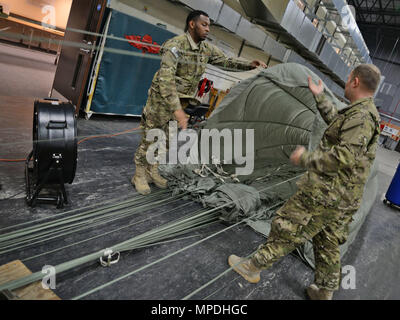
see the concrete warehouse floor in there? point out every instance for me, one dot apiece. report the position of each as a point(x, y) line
point(104, 170)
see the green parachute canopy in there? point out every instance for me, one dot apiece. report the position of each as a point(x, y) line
point(279, 106)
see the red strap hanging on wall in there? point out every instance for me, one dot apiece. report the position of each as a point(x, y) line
point(142, 43)
point(205, 86)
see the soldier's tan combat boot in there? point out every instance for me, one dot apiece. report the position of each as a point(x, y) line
point(316, 293)
point(154, 176)
point(139, 180)
point(245, 268)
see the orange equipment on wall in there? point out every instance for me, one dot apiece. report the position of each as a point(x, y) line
point(390, 130)
point(216, 96)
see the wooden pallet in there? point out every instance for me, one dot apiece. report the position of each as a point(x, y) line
point(34, 291)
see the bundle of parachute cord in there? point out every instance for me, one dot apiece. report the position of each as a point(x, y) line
point(69, 222)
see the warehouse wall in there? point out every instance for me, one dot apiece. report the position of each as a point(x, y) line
point(174, 17)
point(32, 9)
point(384, 47)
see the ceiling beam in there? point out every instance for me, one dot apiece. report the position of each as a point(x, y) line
point(393, 27)
point(378, 11)
point(389, 2)
point(380, 7)
point(386, 60)
point(359, 13)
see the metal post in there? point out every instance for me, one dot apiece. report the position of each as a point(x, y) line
point(30, 39)
point(241, 47)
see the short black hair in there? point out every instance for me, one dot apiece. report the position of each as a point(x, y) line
point(194, 15)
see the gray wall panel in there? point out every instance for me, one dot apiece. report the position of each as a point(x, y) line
point(251, 33)
point(353, 28)
point(289, 17)
point(293, 19)
point(326, 54)
point(275, 49)
point(212, 7)
point(228, 18)
point(333, 62)
point(307, 33)
point(316, 40)
point(294, 57)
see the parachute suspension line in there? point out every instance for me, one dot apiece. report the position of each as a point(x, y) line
point(214, 279)
point(164, 258)
point(185, 248)
point(102, 235)
point(177, 227)
point(220, 174)
point(154, 235)
point(87, 224)
point(227, 270)
point(109, 216)
point(221, 287)
point(80, 216)
point(87, 207)
point(98, 236)
point(14, 234)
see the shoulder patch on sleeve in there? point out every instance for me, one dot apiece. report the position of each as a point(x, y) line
point(175, 52)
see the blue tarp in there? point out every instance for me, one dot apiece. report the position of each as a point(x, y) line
point(124, 80)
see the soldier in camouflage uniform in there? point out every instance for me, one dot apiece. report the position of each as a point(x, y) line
point(184, 60)
point(330, 191)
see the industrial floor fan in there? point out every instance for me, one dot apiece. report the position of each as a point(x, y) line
point(52, 162)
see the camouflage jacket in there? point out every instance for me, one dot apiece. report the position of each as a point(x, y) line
point(182, 65)
point(338, 169)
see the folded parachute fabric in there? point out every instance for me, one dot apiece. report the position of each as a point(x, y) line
point(244, 201)
point(279, 106)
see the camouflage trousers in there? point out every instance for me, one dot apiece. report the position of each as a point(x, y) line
point(297, 222)
point(154, 116)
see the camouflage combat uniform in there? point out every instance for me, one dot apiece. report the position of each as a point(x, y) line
point(329, 193)
point(182, 65)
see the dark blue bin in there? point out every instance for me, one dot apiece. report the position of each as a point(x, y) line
point(393, 193)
